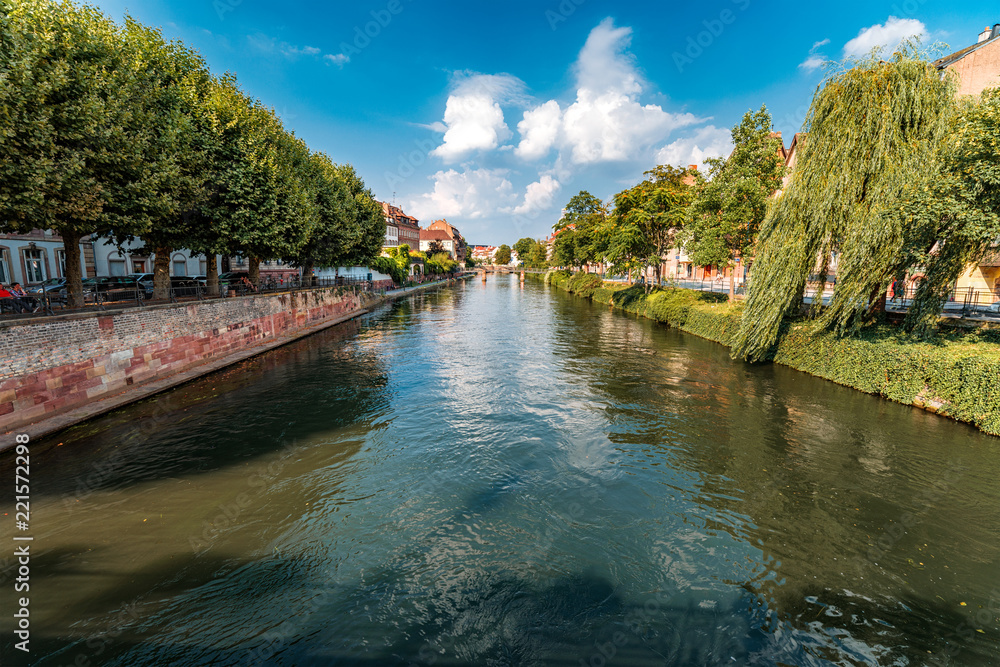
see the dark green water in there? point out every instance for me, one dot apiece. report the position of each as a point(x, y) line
point(507, 475)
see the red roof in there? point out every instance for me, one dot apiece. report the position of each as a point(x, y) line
point(434, 235)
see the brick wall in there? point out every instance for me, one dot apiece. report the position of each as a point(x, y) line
point(53, 364)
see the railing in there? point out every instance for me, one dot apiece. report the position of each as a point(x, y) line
point(53, 303)
point(962, 301)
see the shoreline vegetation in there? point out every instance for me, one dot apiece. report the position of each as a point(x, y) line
point(952, 374)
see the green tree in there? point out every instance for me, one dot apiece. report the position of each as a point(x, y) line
point(956, 214)
point(72, 140)
point(537, 257)
point(503, 255)
point(435, 247)
point(170, 95)
point(645, 220)
point(523, 248)
point(730, 205)
point(872, 131)
point(332, 238)
point(564, 248)
point(262, 205)
point(363, 219)
point(584, 214)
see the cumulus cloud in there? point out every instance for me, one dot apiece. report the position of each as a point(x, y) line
point(471, 194)
point(538, 196)
point(887, 36)
point(709, 141)
point(606, 122)
point(473, 119)
point(539, 130)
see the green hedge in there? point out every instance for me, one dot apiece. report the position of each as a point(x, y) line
point(956, 374)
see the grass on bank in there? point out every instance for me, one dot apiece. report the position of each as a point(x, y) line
point(956, 374)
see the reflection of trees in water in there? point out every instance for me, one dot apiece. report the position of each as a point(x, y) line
point(807, 472)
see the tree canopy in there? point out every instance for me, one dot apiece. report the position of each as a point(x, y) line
point(872, 131)
point(731, 203)
point(503, 255)
point(109, 130)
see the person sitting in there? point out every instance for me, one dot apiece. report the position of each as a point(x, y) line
point(8, 300)
point(247, 285)
point(29, 304)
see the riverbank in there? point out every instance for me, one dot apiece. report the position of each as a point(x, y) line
point(956, 375)
point(66, 369)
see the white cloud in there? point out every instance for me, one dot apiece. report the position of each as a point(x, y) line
point(888, 36)
point(539, 130)
point(709, 141)
point(815, 60)
point(812, 62)
point(606, 122)
point(272, 46)
point(603, 63)
point(538, 196)
point(469, 194)
point(340, 59)
point(472, 116)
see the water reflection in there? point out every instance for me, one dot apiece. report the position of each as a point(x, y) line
point(498, 474)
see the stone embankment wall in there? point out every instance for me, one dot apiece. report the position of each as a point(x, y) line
point(54, 364)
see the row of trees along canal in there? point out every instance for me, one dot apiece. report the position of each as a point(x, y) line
point(110, 130)
point(897, 176)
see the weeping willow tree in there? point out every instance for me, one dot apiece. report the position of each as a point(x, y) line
point(956, 218)
point(872, 131)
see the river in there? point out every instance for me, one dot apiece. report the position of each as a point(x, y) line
point(503, 474)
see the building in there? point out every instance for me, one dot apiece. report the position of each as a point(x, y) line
point(400, 228)
point(977, 66)
point(34, 257)
point(109, 260)
point(458, 241)
point(484, 253)
point(39, 255)
point(429, 236)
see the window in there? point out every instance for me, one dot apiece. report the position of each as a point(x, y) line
point(202, 267)
point(61, 262)
point(138, 266)
point(34, 266)
point(5, 276)
point(180, 265)
point(116, 267)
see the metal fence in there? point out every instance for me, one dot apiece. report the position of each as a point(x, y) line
point(54, 303)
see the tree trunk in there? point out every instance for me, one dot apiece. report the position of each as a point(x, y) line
point(74, 275)
point(161, 273)
point(254, 270)
point(307, 274)
point(732, 284)
point(212, 275)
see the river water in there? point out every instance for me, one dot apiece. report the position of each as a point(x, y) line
point(504, 474)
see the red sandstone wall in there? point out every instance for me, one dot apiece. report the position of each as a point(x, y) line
point(54, 364)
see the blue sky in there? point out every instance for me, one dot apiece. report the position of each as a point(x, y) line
point(493, 115)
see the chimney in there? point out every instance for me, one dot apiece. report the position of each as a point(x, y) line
point(984, 35)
